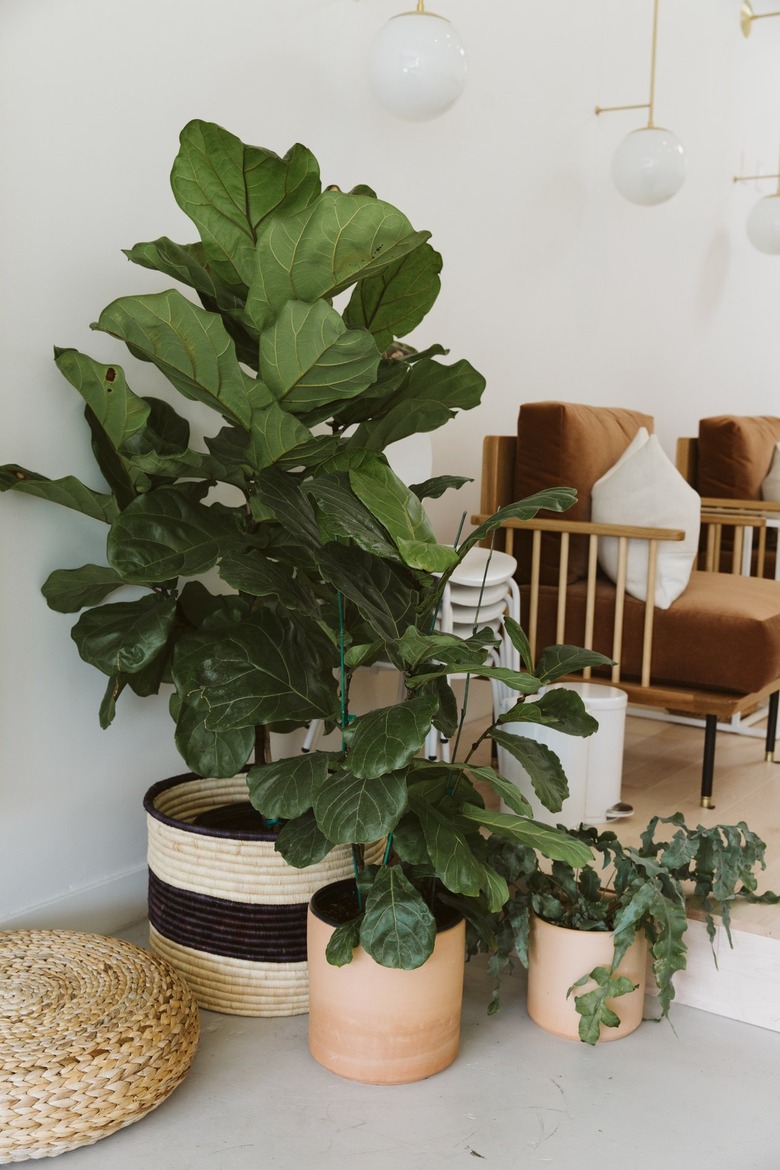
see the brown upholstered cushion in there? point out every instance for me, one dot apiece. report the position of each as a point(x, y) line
point(722, 633)
point(564, 444)
point(735, 453)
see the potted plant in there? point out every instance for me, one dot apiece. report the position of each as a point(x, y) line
point(250, 574)
point(584, 933)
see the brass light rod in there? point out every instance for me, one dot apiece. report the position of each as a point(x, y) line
point(648, 105)
point(747, 16)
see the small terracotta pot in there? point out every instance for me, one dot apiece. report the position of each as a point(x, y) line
point(378, 1025)
point(558, 957)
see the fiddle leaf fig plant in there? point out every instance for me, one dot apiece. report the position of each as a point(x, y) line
point(251, 574)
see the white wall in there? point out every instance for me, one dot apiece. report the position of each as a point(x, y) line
point(553, 286)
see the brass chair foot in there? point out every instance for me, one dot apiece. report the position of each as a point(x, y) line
point(706, 802)
point(770, 757)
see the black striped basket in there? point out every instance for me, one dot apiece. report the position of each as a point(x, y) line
point(225, 909)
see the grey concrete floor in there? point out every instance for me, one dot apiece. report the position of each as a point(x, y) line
point(702, 1093)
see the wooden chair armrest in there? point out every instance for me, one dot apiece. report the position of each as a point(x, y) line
point(768, 508)
point(588, 528)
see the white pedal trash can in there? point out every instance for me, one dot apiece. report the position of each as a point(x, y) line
point(593, 766)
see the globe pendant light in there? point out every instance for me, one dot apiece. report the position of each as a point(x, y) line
point(763, 223)
point(417, 65)
point(649, 165)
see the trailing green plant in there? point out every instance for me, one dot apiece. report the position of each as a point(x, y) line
point(282, 554)
point(637, 890)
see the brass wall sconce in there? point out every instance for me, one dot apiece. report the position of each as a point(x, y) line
point(649, 165)
point(763, 223)
point(747, 16)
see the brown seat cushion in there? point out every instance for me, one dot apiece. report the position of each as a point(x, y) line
point(735, 453)
point(565, 444)
point(722, 633)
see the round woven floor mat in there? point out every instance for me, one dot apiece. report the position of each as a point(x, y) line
point(94, 1033)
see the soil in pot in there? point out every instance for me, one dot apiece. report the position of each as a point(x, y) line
point(375, 1024)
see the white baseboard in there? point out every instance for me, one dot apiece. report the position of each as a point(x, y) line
point(102, 908)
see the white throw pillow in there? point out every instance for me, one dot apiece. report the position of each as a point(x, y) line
point(644, 487)
point(770, 488)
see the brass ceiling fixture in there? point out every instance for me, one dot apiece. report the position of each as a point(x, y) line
point(747, 16)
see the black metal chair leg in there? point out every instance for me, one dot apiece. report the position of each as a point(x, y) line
point(771, 726)
point(708, 763)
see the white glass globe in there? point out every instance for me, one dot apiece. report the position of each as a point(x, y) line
point(649, 166)
point(417, 66)
point(763, 225)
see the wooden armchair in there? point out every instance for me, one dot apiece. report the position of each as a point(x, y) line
point(715, 652)
point(726, 464)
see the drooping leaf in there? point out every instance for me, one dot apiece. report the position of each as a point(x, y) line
point(349, 808)
point(335, 241)
point(449, 850)
point(104, 388)
point(390, 501)
point(509, 792)
point(272, 434)
point(434, 489)
point(69, 590)
point(113, 690)
point(341, 514)
point(519, 640)
point(541, 764)
point(309, 359)
point(163, 535)
point(342, 943)
point(254, 573)
point(553, 499)
point(430, 397)
point(561, 709)
point(68, 492)
point(229, 189)
point(124, 636)
point(301, 842)
point(191, 347)
point(266, 670)
point(594, 1005)
point(280, 496)
point(189, 264)
point(380, 594)
point(556, 661)
point(398, 929)
point(207, 752)
point(387, 738)
point(285, 788)
point(549, 841)
point(394, 302)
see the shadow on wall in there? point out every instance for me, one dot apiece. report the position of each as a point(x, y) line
point(714, 274)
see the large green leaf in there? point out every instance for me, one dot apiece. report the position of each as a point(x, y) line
point(267, 670)
point(553, 499)
point(594, 1006)
point(309, 359)
point(561, 709)
point(229, 189)
point(389, 737)
point(556, 661)
point(164, 535)
point(206, 752)
point(323, 249)
point(391, 502)
point(301, 842)
point(509, 792)
point(124, 636)
point(430, 397)
point(379, 592)
point(395, 301)
point(191, 347)
point(551, 842)
point(542, 765)
point(351, 809)
point(285, 788)
point(120, 413)
point(257, 574)
point(341, 514)
point(187, 263)
point(272, 434)
point(69, 590)
point(69, 492)
point(449, 850)
point(398, 929)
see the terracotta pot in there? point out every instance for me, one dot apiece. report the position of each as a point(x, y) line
point(558, 957)
point(379, 1025)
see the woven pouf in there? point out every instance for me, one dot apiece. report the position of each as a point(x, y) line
point(94, 1033)
point(225, 909)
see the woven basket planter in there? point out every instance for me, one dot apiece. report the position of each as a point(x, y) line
point(225, 909)
point(94, 1033)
